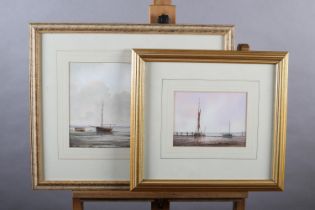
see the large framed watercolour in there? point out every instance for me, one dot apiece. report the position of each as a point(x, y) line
point(208, 120)
point(80, 97)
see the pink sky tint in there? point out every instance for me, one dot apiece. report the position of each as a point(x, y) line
point(217, 109)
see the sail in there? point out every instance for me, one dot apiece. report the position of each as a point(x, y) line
point(198, 120)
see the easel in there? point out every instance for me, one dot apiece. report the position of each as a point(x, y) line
point(161, 12)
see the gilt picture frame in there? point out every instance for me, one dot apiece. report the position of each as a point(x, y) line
point(177, 92)
point(72, 138)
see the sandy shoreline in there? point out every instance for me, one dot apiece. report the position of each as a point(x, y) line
point(209, 141)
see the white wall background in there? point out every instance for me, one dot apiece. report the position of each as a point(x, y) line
point(266, 25)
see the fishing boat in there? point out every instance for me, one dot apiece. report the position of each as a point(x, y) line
point(104, 128)
point(229, 134)
point(79, 129)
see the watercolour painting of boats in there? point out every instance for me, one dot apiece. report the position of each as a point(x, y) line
point(210, 119)
point(99, 105)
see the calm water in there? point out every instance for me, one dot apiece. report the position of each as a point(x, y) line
point(118, 138)
point(209, 141)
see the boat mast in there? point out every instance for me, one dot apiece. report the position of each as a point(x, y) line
point(198, 118)
point(229, 126)
point(102, 113)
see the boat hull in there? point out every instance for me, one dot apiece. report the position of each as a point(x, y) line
point(227, 135)
point(104, 130)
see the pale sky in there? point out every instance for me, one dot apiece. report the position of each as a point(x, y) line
point(94, 83)
point(217, 109)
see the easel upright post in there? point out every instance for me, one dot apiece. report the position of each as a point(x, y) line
point(161, 8)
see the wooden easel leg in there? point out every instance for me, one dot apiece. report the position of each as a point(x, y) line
point(160, 204)
point(77, 204)
point(239, 204)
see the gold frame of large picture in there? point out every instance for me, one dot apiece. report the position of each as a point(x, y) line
point(144, 165)
point(38, 128)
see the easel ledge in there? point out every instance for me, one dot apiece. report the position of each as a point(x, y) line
point(161, 200)
point(164, 198)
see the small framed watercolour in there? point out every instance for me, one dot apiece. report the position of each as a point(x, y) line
point(208, 120)
point(80, 97)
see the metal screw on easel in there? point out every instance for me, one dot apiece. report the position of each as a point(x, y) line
point(163, 19)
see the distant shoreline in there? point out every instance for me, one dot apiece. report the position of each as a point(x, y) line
point(89, 138)
point(206, 141)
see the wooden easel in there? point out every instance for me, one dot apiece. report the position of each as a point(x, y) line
point(162, 11)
